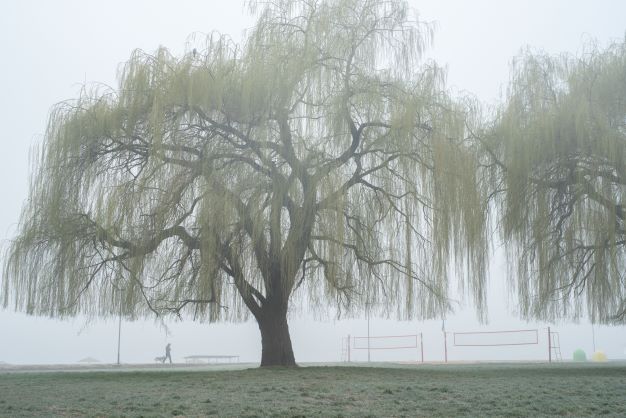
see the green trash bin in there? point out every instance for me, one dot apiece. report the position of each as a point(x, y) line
point(579, 355)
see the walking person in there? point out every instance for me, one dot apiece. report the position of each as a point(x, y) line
point(168, 353)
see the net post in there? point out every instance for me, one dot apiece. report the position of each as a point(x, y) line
point(445, 346)
point(422, 346)
point(348, 348)
point(549, 346)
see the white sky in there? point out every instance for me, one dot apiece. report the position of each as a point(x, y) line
point(51, 48)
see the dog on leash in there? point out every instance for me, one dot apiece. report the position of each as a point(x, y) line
point(160, 359)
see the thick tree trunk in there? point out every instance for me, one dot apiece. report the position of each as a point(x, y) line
point(275, 339)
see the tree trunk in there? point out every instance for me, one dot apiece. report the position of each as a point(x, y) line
point(275, 339)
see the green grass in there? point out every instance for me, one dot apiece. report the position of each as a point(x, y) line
point(460, 390)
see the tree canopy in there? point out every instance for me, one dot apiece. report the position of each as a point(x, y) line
point(561, 153)
point(320, 160)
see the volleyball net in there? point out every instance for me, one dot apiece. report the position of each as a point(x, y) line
point(383, 342)
point(537, 344)
point(495, 338)
point(521, 345)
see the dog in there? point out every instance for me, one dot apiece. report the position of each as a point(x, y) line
point(159, 359)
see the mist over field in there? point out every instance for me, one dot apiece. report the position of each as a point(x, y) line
point(54, 49)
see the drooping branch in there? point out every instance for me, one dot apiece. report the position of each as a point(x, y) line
point(202, 180)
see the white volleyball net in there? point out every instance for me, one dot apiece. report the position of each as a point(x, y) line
point(495, 338)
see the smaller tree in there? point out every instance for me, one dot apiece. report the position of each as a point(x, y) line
point(559, 147)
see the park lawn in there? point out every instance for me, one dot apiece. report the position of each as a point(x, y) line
point(432, 390)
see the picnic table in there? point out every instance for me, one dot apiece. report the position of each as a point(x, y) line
point(200, 358)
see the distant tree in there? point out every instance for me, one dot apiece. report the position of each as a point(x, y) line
point(561, 147)
point(319, 161)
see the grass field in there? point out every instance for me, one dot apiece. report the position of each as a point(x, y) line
point(445, 390)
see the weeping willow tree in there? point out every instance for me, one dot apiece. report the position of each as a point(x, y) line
point(319, 161)
point(561, 141)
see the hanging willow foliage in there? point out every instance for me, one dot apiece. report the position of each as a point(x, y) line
point(319, 160)
point(562, 153)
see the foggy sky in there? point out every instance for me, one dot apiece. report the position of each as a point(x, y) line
point(50, 49)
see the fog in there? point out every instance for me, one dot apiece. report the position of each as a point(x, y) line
point(51, 49)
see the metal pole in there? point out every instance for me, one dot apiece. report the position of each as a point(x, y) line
point(422, 346)
point(593, 336)
point(348, 348)
point(549, 346)
point(119, 330)
point(445, 340)
point(368, 334)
